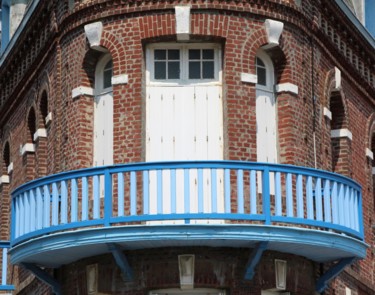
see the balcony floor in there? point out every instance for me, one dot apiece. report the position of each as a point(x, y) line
point(66, 247)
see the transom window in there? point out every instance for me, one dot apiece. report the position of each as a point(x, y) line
point(167, 64)
point(201, 64)
point(261, 72)
point(187, 63)
point(107, 75)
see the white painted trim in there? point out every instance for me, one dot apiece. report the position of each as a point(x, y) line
point(93, 33)
point(273, 29)
point(369, 154)
point(182, 22)
point(337, 79)
point(48, 118)
point(82, 90)
point(40, 133)
point(183, 47)
point(10, 168)
point(4, 179)
point(120, 79)
point(287, 87)
point(27, 148)
point(341, 133)
point(249, 78)
point(348, 291)
point(327, 113)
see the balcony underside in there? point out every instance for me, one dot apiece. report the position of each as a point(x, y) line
point(66, 247)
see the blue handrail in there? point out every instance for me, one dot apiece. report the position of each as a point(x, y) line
point(220, 192)
point(4, 286)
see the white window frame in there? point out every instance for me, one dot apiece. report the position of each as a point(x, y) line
point(270, 72)
point(99, 75)
point(184, 60)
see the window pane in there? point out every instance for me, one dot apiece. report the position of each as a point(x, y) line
point(194, 70)
point(260, 62)
point(107, 75)
point(160, 70)
point(108, 66)
point(208, 70)
point(107, 79)
point(261, 73)
point(174, 70)
point(194, 54)
point(173, 54)
point(160, 54)
point(208, 54)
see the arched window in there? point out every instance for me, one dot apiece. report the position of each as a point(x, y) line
point(103, 112)
point(6, 158)
point(340, 136)
point(31, 124)
point(43, 107)
point(266, 111)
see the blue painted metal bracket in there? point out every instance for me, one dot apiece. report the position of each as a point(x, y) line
point(45, 277)
point(122, 262)
point(254, 259)
point(333, 272)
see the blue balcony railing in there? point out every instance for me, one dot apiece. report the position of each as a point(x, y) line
point(4, 286)
point(224, 192)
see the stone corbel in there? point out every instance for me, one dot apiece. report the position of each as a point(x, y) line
point(120, 79)
point(249, 78)
point(327, 113)
point(93, 33)
point(337, 80)
point(27, 148)
point(40, 133)
point(10, 168)
point(48, 119)
point(182, 22)
point(340, 133)
point(287, 87)
point(82, 90)
point(273, 29)
point(4, 179)
point(369, 154)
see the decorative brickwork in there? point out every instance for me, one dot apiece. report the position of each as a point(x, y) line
point(52, 57)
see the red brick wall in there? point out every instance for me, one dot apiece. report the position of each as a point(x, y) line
point(304, 59)
point(216, 268)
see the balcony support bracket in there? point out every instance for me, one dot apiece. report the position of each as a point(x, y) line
point(333, 272)
point(44, 276)
point(254, 259)
point(122, 262)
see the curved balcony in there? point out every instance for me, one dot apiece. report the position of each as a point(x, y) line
point(68, 216)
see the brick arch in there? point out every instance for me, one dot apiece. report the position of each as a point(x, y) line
point(31, 124)
point(335, 100)
point(109, 43)
point(280, 55)
point(116, 49)
point(339, 95)
point(42, 102)
point(6, 139)
point(6, 158)
point(250, 47)
point(370, 136)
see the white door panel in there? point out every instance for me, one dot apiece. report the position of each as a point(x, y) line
point(184, 123)
point(266, 126)
point(103, 130)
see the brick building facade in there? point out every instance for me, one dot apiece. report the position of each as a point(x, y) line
point(96, 84)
